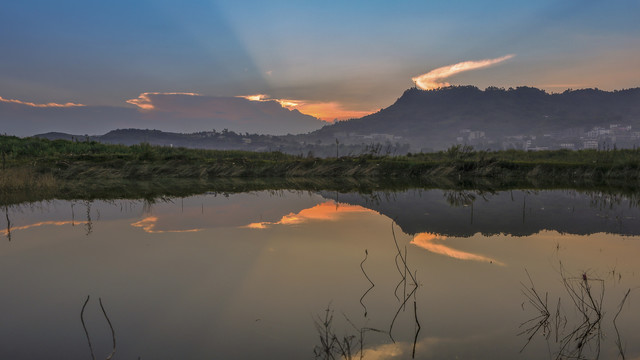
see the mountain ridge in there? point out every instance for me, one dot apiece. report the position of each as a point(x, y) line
point(524, 118)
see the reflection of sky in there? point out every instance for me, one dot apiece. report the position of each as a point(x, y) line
point(5, 232)
point(242, 293)
point(326, 211)
point(430, 242)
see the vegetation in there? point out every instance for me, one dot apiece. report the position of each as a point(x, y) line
point(33, 164)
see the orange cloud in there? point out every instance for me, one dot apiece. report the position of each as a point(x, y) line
point(327, 211)
point(428, 241)
point(143, 101)
point(47, 105)
point(432, 79)
point(42, 223)
point(326, 111)
point(149, 223)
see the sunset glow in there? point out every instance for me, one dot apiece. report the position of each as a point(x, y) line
point(429, 242)
point(326, 111)
point(327, 211)
point(47, 105)
point(433, 79)
point(143, 101)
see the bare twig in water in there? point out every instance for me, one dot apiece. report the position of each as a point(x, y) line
point(584, 339)
point(366, 255)
point(615, 326)
point(418, 327)
point(539, 322)
point(333, 346)
point(113, 333)
point(589, 332)
point(406, 271)
point(402, 280)
point(85, 327)
point(327, 345)
point(86, 332)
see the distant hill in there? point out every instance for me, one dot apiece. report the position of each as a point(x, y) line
point(171, 112)
point(521, 118)
point(436, 118)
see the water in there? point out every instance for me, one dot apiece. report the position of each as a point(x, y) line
point(265, 274)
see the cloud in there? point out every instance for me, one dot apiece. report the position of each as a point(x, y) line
point(47, 105)
point(144, 101)
point(428, 241)
point(175, 112)
point(326, 111)
point(433, 79)
point(251, 113)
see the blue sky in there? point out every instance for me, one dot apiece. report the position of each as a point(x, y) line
point(357, 56)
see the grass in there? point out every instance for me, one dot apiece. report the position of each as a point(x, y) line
point(33, 169)
point(72, 160)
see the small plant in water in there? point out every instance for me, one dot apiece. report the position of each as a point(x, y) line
point(580, 338)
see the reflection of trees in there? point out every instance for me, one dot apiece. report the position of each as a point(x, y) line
point(6, 214)
point(459, 197)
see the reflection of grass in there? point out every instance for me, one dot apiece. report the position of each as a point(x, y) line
point(584, 338)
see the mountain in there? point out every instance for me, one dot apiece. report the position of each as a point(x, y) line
point(522, 118)
point(440, 118)
point(166, 112)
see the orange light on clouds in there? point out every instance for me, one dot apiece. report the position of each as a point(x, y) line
point(326, 111)
point(149, 224)
point(256, 97)
point(145, 103)
point(429, 242)
point(47, 105)
point(433, 79)
point(327, 211)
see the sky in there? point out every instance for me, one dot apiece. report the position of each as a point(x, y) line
point(328, 59)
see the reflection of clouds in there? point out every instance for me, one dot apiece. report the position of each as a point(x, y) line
point(386, 351)
point(327, 211)
point(403, 350)
point(428, 241)
point(431, 348)
point(42, 223)
point(149, 223)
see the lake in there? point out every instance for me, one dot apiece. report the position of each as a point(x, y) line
point(425, 274)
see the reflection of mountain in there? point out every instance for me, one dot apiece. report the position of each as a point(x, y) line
point(518, 213)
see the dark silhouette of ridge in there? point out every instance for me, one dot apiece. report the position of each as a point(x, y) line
point(427, 120)
point(436, 117)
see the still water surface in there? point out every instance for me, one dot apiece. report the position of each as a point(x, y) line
point(267, 274)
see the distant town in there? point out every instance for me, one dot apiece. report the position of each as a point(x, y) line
point(597, 138)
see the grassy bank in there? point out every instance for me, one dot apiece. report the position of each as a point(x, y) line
point(37, 163)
